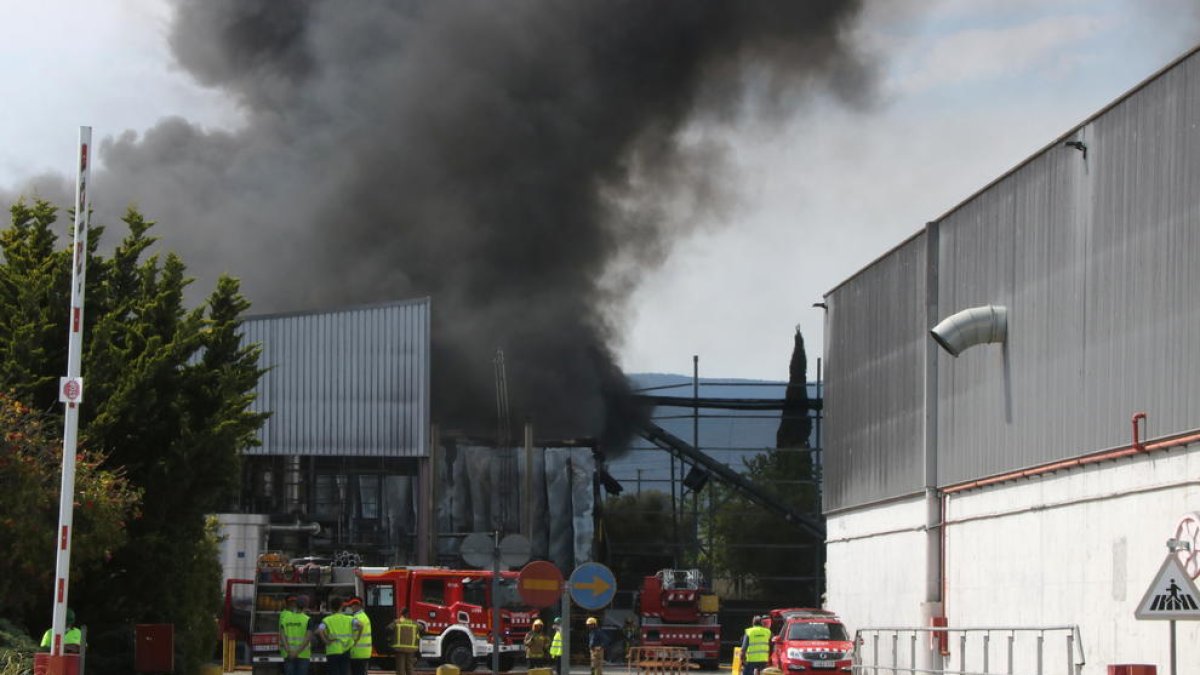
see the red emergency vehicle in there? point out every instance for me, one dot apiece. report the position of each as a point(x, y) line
point(453, 608)
point(677, 610)
point(804, 639)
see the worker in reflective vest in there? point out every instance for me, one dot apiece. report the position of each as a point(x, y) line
point(536, 644)
point(295, 636)
point(756, 647)
point(360, 628)
point(407, 642)
point(335, 632)
point(72, 636)
point(556, 644)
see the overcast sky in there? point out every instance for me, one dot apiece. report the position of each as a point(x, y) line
point(969, 90)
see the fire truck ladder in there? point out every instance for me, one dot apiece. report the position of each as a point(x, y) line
point(686, 453)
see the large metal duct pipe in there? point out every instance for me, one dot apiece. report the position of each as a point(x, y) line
point(970, 327)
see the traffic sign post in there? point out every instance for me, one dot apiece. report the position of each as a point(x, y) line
point(564, 629)
point(1172, 595)
point(593, 586)
point(540, 584)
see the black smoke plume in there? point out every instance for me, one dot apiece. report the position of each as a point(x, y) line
point(518, 161)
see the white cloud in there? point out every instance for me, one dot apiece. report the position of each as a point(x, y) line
point(976, 55)
point(105, 65)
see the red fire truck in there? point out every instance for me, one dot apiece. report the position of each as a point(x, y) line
point(677, 610)
point(453, 607)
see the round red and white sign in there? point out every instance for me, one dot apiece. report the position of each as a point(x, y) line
point(71, 390)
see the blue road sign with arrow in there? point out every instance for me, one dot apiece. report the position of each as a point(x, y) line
point(593, 586)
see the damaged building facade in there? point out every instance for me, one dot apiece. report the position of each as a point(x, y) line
point(350, 467)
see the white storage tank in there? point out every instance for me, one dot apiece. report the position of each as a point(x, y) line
point(243, 536)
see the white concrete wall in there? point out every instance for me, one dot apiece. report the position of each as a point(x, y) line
point(1078, 547)
point(875, 564)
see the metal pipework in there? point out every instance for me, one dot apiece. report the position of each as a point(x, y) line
point(311, 528)
point(970, 327)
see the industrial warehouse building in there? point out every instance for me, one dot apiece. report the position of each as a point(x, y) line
point(350, 467)
point(1018, 485)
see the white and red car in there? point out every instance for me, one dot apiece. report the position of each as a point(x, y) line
point(809, 640)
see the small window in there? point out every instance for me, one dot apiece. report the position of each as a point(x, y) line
point(433, 591)
point(475, 593)
point(381, 595)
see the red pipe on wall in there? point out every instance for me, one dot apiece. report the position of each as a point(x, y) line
point(1136, 448)
point(1137, 416)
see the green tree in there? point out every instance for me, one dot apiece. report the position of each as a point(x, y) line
point(795, 426)
point(637, 533)
point(766, 556)
point(30, 473)
point(167, 401)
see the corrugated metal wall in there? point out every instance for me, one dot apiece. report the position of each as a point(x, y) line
point(351, 383)
point(1096, 259)
point(875, 356)
point(561, 476)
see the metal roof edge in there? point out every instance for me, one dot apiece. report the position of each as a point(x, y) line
point(875, 261)
point(340, 310)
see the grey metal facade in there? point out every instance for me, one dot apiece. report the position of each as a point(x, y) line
point(875, 355)
point(1095, 256)
point(345, 383)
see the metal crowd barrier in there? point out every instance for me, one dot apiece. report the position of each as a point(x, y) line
point(983, 650)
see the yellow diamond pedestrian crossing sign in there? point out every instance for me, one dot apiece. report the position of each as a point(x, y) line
point(1172, 595)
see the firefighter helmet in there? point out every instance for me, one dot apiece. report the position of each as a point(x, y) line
point(592, 621)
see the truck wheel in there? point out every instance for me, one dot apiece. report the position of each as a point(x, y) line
point(457, 652)
point(507, 661)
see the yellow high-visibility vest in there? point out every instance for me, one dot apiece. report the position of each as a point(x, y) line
point(337, 628)
point(294, 626)
point(362, 648)
point(73, 636)
point(758, 644)
point(407, 638)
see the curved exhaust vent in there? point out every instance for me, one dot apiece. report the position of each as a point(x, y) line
point(970, 327)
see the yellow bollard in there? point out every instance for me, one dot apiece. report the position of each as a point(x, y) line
point(540, 671)
point(447, 669)
point(737, 661)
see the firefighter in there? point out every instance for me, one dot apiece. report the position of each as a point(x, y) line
point(295, 636)
point(535, 645)
point(72, 636)
point(360, 629)
point(630, 632)
point(335, 631)
point(407, 642)
point(597, 642)
point(756, 647)
point(556, 644)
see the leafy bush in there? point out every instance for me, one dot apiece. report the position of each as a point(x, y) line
point(16, 649)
